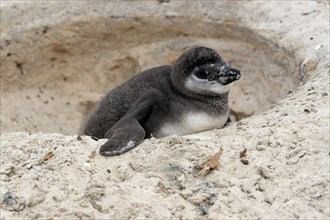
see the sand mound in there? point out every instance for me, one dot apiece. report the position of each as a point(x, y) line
point(58, 59)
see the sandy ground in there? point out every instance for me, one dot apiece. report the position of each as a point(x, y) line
point(58, 59)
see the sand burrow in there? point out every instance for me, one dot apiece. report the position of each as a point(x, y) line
point(52, 75)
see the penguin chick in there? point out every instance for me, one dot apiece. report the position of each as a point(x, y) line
point(187, 97)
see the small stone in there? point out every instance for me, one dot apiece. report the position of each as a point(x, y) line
point(36, 200)
point(245, 161)
point(87, 166)
point(260, 148)
point(8, 199)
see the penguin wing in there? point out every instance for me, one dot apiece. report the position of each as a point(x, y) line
point(128, 132)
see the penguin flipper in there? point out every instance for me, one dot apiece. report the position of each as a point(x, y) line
point(128, 132)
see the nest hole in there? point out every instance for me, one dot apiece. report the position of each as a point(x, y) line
point(50, 81)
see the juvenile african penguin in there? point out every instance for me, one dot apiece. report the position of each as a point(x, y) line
point(187, 97)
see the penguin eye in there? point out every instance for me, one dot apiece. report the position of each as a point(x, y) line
point(202, 74)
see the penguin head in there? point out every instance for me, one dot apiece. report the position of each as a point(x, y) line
point(201, 71)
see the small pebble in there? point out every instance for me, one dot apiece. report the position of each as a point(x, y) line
point(245, 161)
point(87, 166)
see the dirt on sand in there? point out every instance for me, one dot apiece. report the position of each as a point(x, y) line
point(58, 59)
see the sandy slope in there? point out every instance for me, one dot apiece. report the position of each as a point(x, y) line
point(287, 175)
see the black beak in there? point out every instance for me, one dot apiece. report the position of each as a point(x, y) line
point(225, 75)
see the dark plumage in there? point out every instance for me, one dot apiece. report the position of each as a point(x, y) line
point(176, 99)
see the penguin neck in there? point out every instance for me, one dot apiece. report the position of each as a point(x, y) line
point(215, 103)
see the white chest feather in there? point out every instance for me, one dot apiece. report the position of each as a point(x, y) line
point(192, 123)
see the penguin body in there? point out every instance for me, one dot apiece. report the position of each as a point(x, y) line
point(187, 97)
